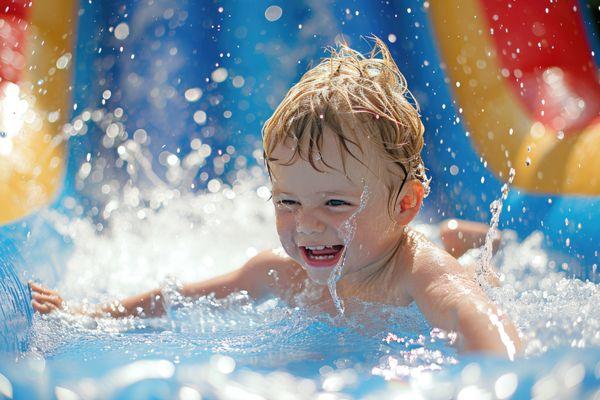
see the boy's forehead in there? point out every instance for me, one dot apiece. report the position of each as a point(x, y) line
point(331, 155)
point(301, 178)
point(336, 171)
point(285, 173)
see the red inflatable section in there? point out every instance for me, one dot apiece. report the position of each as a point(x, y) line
point(547, 59)
point(13, 25)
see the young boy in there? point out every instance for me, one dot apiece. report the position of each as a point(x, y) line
point(343, 151)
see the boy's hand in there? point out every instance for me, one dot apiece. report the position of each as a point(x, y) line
point(45, 300)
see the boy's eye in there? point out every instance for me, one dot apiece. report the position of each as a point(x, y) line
point(286, 202)
point(337, 203)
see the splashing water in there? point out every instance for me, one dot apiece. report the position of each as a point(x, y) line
point(346, 232)
point(259, 337)
point(485, 271)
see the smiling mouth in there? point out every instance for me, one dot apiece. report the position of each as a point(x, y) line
point(322, 256)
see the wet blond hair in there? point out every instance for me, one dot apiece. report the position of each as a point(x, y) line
point(372, 92)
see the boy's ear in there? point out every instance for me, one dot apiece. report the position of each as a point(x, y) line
point(409, 202)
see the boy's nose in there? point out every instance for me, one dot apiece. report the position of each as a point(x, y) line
point(307, 224)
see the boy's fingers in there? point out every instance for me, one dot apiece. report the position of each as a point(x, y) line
point(47, 299)
point(42, 308)
point(37, 306)
point(38, 288)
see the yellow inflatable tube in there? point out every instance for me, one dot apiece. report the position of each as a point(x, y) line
point(500, 128)
point(33, 110)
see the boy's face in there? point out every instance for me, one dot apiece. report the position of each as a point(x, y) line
point(324, 217)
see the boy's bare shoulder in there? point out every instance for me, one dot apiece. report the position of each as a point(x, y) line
point(430, 264)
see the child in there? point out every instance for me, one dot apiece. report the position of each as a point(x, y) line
point(343, 152)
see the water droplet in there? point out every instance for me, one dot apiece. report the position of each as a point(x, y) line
point(273, 13)
point(219, 75)
point(63, 61)
point(193, 94)
point(122, 31)
point(200, 117)
point(238, 82)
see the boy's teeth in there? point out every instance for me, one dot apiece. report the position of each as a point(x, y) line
point(316, 247)
point(323, 257)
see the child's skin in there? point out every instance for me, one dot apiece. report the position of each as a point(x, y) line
point(459, 236)
point(384, 262)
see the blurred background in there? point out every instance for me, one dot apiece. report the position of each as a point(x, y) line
point(103, 97)
point(117, 117)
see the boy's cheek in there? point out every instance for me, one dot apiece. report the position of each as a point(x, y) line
point(284, 231)
point(284, 226)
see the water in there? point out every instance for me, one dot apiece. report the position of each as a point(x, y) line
point(485, 270)
point(13, 319)
point(223, 348)
point(346, 232)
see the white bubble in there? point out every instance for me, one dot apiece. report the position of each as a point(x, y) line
point(193, 94)
point(238, 81)
point(273, 13)
point(454, 170)
point(214, 185)
point(122, 31)
point(200, 117)
point(224, 364)
point(112, 130)
point(63, 61)
point(392, 38)
point(263, 192)
point(452, 224)
point(172, 160)
point(506, 385)
point(205, 150)
point(189, 393)
point(195, 143)
point(219, 75)
point(84, 170)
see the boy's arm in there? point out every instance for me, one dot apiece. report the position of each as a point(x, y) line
point(266, 272)
point(254, 277)
point(452, 300)
point(46, 301)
